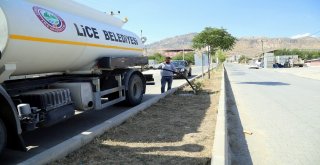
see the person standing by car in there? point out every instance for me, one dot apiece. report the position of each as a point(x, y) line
point(166, 76)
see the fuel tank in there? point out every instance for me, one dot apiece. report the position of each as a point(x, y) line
point(43, 36)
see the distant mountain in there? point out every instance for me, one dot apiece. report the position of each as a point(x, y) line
point(177, 42)
point(252, 46)
point(249, 46)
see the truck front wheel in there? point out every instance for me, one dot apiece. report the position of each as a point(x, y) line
point(3, 136)
point(134, 93)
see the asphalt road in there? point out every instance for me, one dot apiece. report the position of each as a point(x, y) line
point(281, 111)
point(42, 139)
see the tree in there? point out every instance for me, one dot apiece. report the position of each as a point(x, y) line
point(221, 55)
point(214, 39)
point(244, 59)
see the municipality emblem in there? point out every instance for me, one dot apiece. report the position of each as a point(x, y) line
point(49, 19)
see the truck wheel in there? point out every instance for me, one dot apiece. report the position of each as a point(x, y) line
point(3, 136)
point(134, 93)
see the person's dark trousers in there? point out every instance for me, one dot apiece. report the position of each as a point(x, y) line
point(164, 80)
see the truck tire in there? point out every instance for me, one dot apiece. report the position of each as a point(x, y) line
point(3, 136)
point(134, 93)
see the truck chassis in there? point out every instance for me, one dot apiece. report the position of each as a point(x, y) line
point(31, 103)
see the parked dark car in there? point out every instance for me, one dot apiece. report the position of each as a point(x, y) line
point(182, 67)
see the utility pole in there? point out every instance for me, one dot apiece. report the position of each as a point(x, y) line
point(262, 47)
point(143, 40)
point(264, 62)
point(144, 51)
point(182, 50)
point(183, 53)
point(202, 64)
point(208, 61)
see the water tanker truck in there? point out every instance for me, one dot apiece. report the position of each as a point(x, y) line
point(58, 57)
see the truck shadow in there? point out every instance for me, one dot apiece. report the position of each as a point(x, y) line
point(238, 146)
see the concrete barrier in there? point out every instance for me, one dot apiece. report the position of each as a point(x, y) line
point(220, 147)
point(63, 149)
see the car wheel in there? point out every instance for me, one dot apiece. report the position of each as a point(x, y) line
point(190, 74)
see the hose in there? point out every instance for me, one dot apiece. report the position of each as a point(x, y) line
point(180, 74)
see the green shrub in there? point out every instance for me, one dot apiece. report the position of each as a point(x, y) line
point(244, 59)
point(198, 85)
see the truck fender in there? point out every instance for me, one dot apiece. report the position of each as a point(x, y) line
point(9, 115)
point(129, 73)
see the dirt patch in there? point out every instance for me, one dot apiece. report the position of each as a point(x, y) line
point(179, 129)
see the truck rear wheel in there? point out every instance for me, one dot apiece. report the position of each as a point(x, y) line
point(134, 93)
point(3, 136)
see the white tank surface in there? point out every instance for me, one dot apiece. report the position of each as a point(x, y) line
point(42, 36)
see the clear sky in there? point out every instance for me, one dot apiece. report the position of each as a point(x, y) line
point(160, 19)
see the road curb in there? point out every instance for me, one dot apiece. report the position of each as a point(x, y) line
point(220, 147)
point(63, 149)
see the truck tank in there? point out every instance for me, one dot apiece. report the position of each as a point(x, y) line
point(60, 36)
